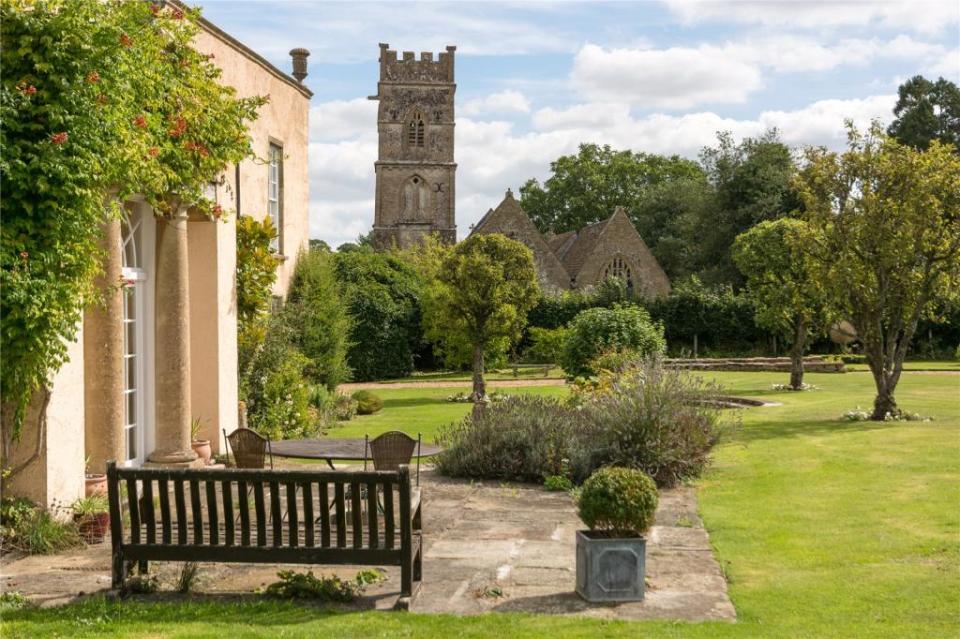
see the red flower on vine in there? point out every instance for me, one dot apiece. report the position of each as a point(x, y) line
point(140, 122)
point(24, 256)
point(125, 40)
point(59, 138)
point(153, 151)
point(178, 128)
point(217, 211)
point(101, 99)
point(93, 77)
point(177, 14)
point(155, 9)
point(28, 89)
point(197, 147)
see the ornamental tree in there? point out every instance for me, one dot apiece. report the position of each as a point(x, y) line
point(480, 294)
point(780, 279)
point(886, 223)
point(97, 99)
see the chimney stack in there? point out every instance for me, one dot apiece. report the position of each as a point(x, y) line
point(299, 63)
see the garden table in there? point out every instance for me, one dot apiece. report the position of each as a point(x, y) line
point(329, 449)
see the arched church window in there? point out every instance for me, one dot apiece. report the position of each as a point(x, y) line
point(415, 131)
point(619, 268)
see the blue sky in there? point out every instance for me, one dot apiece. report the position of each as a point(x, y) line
point(534, 79)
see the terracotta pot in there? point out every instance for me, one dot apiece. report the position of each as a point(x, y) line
point(96, 484)
point(93, 528)
point(202, 448)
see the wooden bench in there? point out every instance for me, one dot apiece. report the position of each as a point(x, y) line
point(543, 368)
point(265, 516)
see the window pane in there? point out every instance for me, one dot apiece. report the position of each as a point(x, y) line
point(130, 363)
point(131, 443)
point(132, 407)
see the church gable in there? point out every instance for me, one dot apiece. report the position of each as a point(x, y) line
point(616, 249)
point(509, 219)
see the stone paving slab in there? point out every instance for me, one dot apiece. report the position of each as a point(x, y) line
point(488, 547)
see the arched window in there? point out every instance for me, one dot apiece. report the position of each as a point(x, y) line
point(415, 131)
point(619, 268)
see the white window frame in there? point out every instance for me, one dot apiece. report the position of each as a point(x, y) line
point(275, 194)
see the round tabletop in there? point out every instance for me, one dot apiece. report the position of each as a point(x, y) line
point(329, 448)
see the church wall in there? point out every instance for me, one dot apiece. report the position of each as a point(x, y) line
point(620, 238)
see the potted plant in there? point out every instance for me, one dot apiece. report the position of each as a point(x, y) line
point(96, 483)
point(200, 446)
point(92, 516)
point(618, 505)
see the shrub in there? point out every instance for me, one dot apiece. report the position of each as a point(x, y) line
point(557, 483)
point(256, 267)
point(318, 320)
point(319, 397)
point(88, 506)
point(38, 532)
point(344, 408)
point(596, 330)
point(522, 438)
point(546, 345)
point(274, 389)
point(620, 501)
point(298, 585)
point(647, 417)
point(382, 293)
point(12, 600)
point(367, 402)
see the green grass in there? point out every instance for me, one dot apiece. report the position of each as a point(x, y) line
point(825, 528)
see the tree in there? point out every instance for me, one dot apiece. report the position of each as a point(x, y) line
point(886, 219)
point(788, 295)
point(318, 319)
point(382, 293)
point(95, 98)
point(481, 293)
point(625, 328)
point(927, 111)
point(585, 188)
point(751, 183)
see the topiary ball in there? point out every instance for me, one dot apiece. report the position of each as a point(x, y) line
point(620, 501)
point(367, 402)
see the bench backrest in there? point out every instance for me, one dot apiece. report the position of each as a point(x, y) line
point(259, 509)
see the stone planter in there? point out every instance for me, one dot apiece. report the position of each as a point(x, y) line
point(202, 448)
point(610, 569)
point(93, 528)
point(96, 484)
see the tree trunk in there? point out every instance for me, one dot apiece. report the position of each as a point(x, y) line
point(886, 382)
point(796, 355)
point(479, 385)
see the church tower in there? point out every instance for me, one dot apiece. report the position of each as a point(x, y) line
point(415, 168)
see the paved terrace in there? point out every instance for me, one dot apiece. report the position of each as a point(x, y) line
point(488, 547)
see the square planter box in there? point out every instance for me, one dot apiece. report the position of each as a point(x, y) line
point(610, 569)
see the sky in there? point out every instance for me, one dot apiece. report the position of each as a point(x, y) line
point(536, 79)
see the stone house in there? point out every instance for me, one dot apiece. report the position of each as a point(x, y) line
point(162, 351)
point(584, 258)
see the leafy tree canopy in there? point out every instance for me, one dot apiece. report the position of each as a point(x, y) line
point(479, 294)
point(887, 222)
point(927, 111)
point(95, 97)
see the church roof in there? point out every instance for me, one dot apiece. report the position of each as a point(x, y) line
point(578, 248)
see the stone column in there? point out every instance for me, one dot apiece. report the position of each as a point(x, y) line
point(172, 325)
point(103, 411)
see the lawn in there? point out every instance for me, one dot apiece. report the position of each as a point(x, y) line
point(825, 528)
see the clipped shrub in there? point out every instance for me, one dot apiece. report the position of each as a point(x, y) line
point(648, 417)
point(522, 438)
point(367, 402)
point(546, 345)
point(597, 330)
point(619, 501)
point(317, 316)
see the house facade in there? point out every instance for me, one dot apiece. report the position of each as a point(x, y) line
point(161, 351)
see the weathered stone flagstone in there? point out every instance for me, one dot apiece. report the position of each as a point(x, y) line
point(489, 547)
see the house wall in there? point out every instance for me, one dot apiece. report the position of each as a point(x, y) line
point(283, 120)
point(57, 477)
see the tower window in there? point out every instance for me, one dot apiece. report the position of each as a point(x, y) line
point(415, 131)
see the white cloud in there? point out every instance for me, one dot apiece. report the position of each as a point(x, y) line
point(924, 16)
point(509, 101)
point(493, 156)
point(674, 78)
point(342, 119)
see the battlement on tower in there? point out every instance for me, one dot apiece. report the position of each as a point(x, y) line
point(410, 69)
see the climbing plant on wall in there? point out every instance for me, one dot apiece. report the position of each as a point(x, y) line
point(95, 98)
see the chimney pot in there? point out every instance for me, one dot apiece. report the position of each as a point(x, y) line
point(299, 63)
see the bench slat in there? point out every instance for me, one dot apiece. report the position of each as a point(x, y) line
point(275, 514)
point(341, 515)
point(180, 498)
point(196, 512)
point(356, 515)
point(164, 491)
point(293, 528)
point(226, 490)
point(388, 526)
point(306, 490)
point(133, 507)
point(148, 515)
point(324, 515)
point(373, 539)
point(244, 500)
point(212, 517)
point(261, 513)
